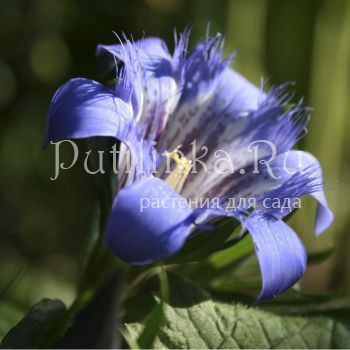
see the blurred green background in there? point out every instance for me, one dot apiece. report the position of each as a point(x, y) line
point(45, 42)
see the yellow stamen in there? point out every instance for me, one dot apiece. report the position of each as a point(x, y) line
point(183, 166)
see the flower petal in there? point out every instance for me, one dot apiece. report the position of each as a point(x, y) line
point(244, 95)
point(152, 52)
point(299, 174)
point(202, 75)
point(274, 126)
point(297, 161)
point(281, 254)
point(291, 175)
point(159, 89)
point(202, 70)
point(219, 119)
point(161, 97)
point(217, 111)
point(149, 221)
point(84, 108)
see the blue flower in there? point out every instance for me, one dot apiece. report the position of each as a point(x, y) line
point(161, 101)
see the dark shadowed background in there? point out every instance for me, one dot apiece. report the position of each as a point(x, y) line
point(45, 42)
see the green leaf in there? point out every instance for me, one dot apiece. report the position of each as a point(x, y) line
point(106, 183)
point(193, 320)
point(36, 324)
point(91, 239)
point(97, 261)
point(318, 257)
point(310, 306)
point(7, 290)
point(149, 332)
point(233, 254)
point(11, 314)
point(223, 269)
point(94, 323)
point(204, 243)
point(153, 323)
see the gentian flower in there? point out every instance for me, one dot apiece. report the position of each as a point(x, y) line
point(161, 103)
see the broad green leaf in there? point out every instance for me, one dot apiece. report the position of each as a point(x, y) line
point(36, 324)
point(204, 243)
point(193, 320)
